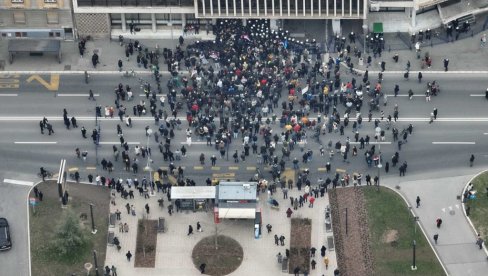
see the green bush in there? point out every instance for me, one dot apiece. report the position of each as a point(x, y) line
point(68, 237)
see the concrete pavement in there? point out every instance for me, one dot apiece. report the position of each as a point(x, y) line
point(456, 245)
point(174, 247)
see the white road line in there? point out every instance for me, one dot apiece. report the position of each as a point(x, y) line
point(194, 143)
point(486, 133)
point(403, 95)
point(158, 95)
point(454, 143)
point(117, 143)
point(372, 143)
point(9, 95)
point(35, 143)
point(477, 95)
point(76, 95)
point(18, 182)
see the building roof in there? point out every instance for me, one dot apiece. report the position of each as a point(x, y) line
point(193, 192)
point(237, 190)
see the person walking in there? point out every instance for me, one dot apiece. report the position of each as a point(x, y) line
point(471, 160)
point(41, 125)
point(202, 268)
point(439, 222)
point(128, 255)
point(326, 262)
point(420, 77)
point(282, 240)
point(418, 201)
point(199, 227)
point(322, 251)
point(436, 237)
point(190, 230)
point(446, 64)
point(276, 239)
point(479, 242)
point(435, 113)
point(313, 263)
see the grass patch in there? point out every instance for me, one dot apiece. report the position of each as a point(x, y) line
point(391, 235)
point(300, 241)
point(146, 243)
point(48, 213)
point(479, 206)
point(219, 261)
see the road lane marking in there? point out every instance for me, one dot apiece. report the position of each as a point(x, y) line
point(486, 133)
point(193, 143)
point(53, 84)
point(77, 95)
point(198, 168)
point(321, 169)
point(233, 168)
point(74, 169)
point(403, 95)
point(215, 168)
point(18, 182)
point(91, 168)
point(251, 168)
point(116, 143)
point(477, 95)
point(372, 143)
point(454, 143)
point(9, 95)
point(35, 143)
point(150, 95)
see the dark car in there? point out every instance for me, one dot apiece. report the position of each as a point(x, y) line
point(5, 241)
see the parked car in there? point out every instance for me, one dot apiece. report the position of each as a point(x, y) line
point(5, 241)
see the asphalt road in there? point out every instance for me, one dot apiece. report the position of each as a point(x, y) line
point(441, 148)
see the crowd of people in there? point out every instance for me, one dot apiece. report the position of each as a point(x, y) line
point(272, 99)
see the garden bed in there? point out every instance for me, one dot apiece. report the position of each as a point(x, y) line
point(300, 242)
point(48, 216)
point(479, 205)
point(146, 241)
point(220, 260)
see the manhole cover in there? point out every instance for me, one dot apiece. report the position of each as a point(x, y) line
point(67, 67)
point(452, 212)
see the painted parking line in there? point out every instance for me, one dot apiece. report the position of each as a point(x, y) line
point(77, 95)
point(454, 143)
point(18, 182)
point(34, 143)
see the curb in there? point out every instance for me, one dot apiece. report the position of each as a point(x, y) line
point(28, 228)
point(421, 228)
point(464, 210)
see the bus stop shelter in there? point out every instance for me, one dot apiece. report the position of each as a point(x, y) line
point(33, 47)
point(194, 198)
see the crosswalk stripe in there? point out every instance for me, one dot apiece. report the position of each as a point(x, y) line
point(18, 182)
point(215, 168)
point(198, 168)
point(251, 168)
point(233, 168)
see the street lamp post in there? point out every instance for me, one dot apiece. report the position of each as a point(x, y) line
point(414, 243)
point(148, 167)
point(94, 231)
point(378, 132)
point(365, 29)
point(96, 262)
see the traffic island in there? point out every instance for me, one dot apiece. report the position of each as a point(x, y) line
point(221, 255)
point(300, 242)
point(61, 238)
point(475, 201)
point(146, 243)
point(392, 230)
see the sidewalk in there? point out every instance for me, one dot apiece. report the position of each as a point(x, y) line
point(464, 55)
point(174, 247)
point(456, 245)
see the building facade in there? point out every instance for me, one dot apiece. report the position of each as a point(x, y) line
point(36, 19)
